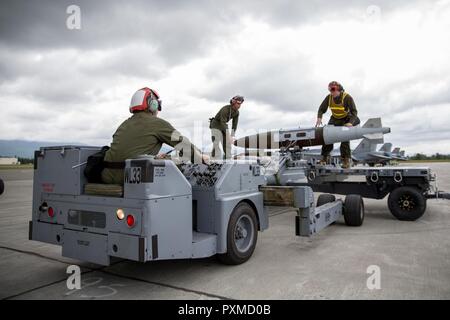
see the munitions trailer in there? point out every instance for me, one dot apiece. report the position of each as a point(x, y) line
point(164, 211)
point(408, 187)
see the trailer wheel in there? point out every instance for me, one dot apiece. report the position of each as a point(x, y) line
point(2, 186)
point(354, 210)
point(242, 234)
point(325, 198)
point(407, 203)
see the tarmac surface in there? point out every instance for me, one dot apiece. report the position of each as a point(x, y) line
point(413, 259)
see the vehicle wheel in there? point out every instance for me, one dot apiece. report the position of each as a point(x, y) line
point(354, 210)
point(242, 234)
point(407, 203)
point(325, 198)
point(2, 186)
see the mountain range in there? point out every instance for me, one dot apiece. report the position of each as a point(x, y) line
point(24, 148)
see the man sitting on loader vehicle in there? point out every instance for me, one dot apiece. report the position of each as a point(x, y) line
point(143, 133)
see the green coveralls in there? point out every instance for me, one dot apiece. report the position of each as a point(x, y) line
point(352, 117)
point(142, 133)
point(219, 128)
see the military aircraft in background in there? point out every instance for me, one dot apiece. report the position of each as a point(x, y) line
point(365, 153)
point(398, 155)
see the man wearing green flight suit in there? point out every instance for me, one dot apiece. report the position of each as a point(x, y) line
point(144, 133)
point(220, 134)
point(343, 113)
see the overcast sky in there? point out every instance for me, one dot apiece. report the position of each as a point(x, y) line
point(75, 85)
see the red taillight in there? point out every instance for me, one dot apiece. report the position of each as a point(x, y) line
point(130, 220)
point(50, 212)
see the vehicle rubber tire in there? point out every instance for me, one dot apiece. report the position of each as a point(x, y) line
point(2, 186)
point(354, 210)
point(325, 198)
point(243, 217)
point(407, 203)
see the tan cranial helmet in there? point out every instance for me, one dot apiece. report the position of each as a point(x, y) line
point(237, 98)
point(335, 84)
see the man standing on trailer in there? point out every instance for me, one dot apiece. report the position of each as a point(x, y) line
point(219, 128)
point(343, 113)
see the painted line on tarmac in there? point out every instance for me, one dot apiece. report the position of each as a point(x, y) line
point(43, 286)
point(101, 269)
point(37, 255)
point(52, 259)
point(362, 233)
point(212, 295)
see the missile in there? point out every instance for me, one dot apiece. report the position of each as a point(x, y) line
point(313, 136)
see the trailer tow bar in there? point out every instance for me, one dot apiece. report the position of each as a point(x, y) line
point(438, 195)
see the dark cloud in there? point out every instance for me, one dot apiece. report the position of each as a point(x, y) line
point(126, 43)
point(177, 29)
point(139, 39)
point(147, 38)
point(279, 82)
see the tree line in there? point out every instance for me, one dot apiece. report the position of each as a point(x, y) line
point(436, 156)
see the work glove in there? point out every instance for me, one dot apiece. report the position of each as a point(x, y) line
point(319, 122)
point(205, 159)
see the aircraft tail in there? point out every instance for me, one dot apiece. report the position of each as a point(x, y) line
point(387, 147)
point(366, 145)
point(396, 150)
point(370, 141)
